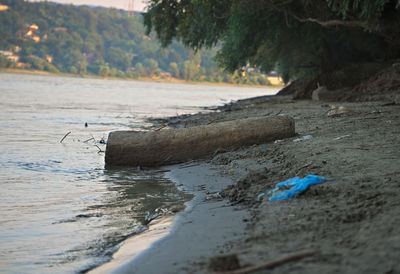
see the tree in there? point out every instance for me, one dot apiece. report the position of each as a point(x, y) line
point(174, 69)
point(139, 69)
point(151, 66)
point(190, 70)
point(299, 37)
point(37, 63)
point(73, 70)
point(118, 58)
point(104, 69)
point(82, 66)
point(80, 39)
point(4, 62)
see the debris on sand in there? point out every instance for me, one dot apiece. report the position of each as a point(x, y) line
point(337, 111)
point(220, 264)
point(304, 138)
point(297, 186)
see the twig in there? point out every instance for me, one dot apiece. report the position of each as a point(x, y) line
point(161, 127)
point(88, 140)
point(100, 150)
point(306, 166)
point(65, 136)
point(162, 171)
point(361, 148)
point(189, 166)
point(376, 110)
point(212, 121)
point(272, 264)
point(218, 150)
point(139, 216)
point(390, 104)
point(279, 112)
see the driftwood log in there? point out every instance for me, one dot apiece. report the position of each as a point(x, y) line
point(170, 146)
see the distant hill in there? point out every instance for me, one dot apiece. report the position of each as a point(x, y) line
point(99, 41)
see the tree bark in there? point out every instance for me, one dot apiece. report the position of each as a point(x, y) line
point(170, 146)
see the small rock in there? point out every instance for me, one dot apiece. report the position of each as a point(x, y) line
point(319, 93)
point(224, 263)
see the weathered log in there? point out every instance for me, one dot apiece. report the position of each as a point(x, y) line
point(170, 146)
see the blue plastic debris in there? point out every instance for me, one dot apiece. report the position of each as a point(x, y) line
point(260, 196)
point(297, 186)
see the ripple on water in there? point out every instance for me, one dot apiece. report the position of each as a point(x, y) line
point(60, 210)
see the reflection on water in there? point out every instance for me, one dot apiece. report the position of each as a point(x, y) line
point(60, 210)
point(133, 199)
point(87, 232)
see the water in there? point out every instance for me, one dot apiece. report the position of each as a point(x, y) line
point(60, 210)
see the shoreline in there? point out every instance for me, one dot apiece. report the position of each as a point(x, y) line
point(163, 247)
point(140, 79)
point(132, 247)
point(350, 224)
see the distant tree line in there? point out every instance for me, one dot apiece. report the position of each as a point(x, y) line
point(105, 42)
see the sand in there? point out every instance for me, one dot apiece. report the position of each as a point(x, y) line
point(351, 224)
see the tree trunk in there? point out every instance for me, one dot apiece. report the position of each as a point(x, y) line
point(170, 146)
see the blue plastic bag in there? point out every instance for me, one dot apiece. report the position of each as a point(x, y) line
point(297, 186)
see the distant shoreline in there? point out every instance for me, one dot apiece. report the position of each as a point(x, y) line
point(142, 79)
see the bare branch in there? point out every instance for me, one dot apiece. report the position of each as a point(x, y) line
point(65, 136)
point(272, 264)
point(332, 23)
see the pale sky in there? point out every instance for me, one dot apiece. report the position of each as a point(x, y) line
point(119, 4)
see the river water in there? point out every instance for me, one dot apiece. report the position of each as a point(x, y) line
point(60, 210)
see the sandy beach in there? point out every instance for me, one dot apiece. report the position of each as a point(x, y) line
point(348, 225)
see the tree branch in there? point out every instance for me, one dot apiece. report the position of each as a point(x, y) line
point(332, 23)
point(387, 35)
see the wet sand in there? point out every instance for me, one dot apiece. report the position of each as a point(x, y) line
point(133, 246)
point(208, 221)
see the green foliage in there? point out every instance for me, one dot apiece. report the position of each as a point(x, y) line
point(151, 67)
point(140, 70)
point(198, 23)
point(104, 69)
point(189, 70)
point(300, 38)
point(368, 9)
point(106, 42)
point(174, 69)
point(4, 62)
point(73, 70)
point(40, 64)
